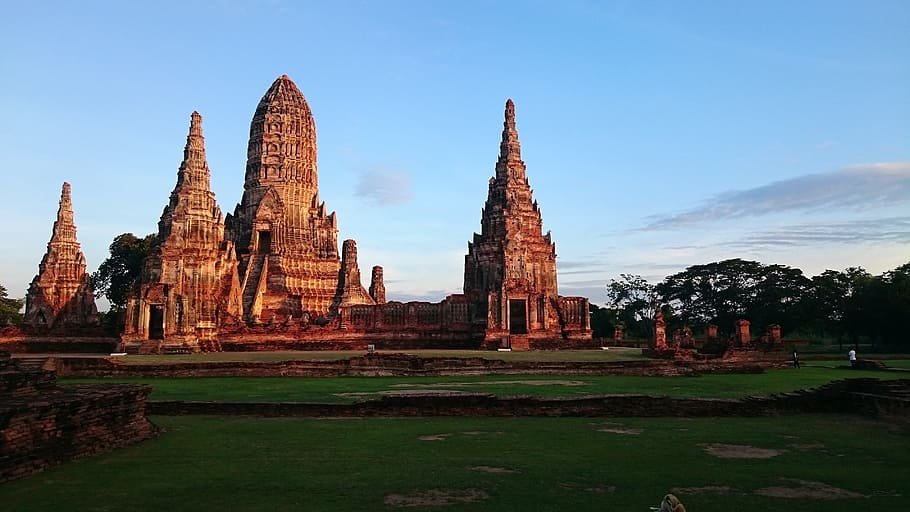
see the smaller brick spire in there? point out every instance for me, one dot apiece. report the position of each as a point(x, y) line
point(194, 171)
point(64, 227)
point(510, 163)
point(61, 293)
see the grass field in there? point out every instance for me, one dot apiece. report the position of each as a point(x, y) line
point(352, 389)
point(486, 464)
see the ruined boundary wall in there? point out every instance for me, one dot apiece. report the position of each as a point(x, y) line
point(868, 397)
point(42, 425)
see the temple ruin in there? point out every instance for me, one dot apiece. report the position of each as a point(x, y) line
point(286, 243)
point(61, 295)
point(510, 268)
point(270, 275)
point(189, 282)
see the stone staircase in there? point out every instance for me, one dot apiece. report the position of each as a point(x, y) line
point(251, 283)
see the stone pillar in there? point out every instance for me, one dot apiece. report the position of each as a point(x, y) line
point(742, 336)
point(660, 331)
point(686, 339)
point(377, 286)
point(774, 333)
point(711, 332)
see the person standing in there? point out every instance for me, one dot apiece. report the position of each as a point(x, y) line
point(795, 359)
point(852, 357)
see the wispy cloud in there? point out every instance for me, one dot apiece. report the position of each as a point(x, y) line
point(889, 229)
point(579, 267)
point(384, 188)
point(857, 187)
point(576, 264)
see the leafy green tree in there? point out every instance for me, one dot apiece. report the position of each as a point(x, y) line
point(778, 297)
point(724, 291)
point(896, 307)
point(635, 300)
point(9, 308)
point(603, 321)
point(825, 303)
point(119, 272)
point(878, 308)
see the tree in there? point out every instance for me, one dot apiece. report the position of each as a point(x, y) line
point(118, 274)
point(896, 305)
point(723, 291)
point(635, 300)
point(824, 304)
point(858, 309)
point(779, 297)
point(602, 322)
point(9, 308)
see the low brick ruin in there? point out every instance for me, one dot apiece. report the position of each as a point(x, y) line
point(397, 364)
point(740, 346)
point(43, 425)
point(867, 397)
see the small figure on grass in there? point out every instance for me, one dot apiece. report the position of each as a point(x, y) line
point(851, 356)
point(795, 359)
point(670, 503)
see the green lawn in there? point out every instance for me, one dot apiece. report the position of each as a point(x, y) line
point(578, 464)
point(351, 389)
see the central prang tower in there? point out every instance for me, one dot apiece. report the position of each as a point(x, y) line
point(286, 243)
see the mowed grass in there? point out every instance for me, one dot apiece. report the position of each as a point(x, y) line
point(613, 354)
point(578, 464)
point(352, 389)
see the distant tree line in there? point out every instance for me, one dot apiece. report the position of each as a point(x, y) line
point(850, 306)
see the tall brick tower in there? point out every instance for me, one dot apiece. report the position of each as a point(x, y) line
point(61, 294)
point(186, 279)
point(286, 242)
point(510, 268)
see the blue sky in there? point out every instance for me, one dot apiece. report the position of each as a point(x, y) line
point(657, 135)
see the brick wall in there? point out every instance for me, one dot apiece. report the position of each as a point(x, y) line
point(42, 425)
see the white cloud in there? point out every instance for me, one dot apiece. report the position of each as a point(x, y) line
point(384, 188)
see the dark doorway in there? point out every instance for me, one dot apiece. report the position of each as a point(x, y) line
point(264, 243)
point(156, 322)
point(518, 316)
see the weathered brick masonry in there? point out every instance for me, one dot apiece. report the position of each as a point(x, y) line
point(42, 425)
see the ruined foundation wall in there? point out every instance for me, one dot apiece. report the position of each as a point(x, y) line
point(42, 425)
